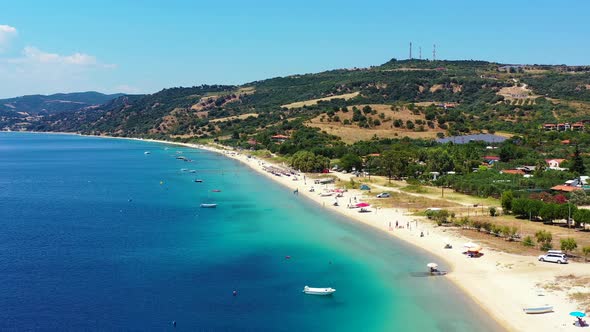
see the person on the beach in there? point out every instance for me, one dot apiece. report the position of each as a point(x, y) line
point(396, 224)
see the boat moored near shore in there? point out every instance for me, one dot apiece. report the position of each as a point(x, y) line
point(318, 291)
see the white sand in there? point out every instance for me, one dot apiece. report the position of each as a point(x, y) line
point(503, 284)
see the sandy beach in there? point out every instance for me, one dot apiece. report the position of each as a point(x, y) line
point(501, 283)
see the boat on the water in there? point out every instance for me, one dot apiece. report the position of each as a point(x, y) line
point(318, 291)
point(147, 152)
point(198, 180)
point(538, 310)
point(208, 205)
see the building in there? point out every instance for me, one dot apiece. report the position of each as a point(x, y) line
point(279, 138)
point(513, 171)
point(555, 164)
point(577, 126)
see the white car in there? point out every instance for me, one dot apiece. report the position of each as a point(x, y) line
point(553, 258)
point(383, 195)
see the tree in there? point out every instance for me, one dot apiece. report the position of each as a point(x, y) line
point(578, 163)
point(578, 197)
point(307, 161)
point(581, 216)
point(388, 160)
point(568, 244)
point(519, 207)
point(549, 212)
point(350, 160)
point(507, 198)
point(543, 236)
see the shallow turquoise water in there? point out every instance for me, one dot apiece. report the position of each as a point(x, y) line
point(98, 235)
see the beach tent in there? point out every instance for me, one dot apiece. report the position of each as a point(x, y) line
point(365, 187)
point(363, 204)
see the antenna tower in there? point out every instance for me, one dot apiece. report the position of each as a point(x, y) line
point(434, 52)
point(420, 52)
point(410, 50)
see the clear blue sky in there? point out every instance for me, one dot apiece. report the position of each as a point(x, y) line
point(144, 46)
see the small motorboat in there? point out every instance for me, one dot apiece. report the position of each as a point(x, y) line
point(208, 205)
point(318, 291)
point(192, 171)
point(147, 152)
point(198, 180)
point(538, 310)
point(216, 190)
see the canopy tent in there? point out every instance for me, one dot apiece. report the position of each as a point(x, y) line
point(432, 265)
point(362, 205)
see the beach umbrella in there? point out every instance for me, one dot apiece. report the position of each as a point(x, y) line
point(470, 245)
point(432, 265)
point(363, 204)
point(577, 314)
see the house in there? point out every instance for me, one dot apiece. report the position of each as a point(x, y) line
point(555, 164)
point(565, 188)
point(575, 184)
point(491, 159)
point(578, 126)
point(279, 138)
point(512, 171)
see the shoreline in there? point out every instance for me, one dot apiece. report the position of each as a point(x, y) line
point(501, 284)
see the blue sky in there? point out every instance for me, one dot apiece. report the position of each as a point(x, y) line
point(144, 46)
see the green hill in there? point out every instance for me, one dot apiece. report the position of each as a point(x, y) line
point(415, 98)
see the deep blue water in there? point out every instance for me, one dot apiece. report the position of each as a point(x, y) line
point(97, 235)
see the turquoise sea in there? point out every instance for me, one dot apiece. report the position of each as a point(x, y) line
point(97, 235)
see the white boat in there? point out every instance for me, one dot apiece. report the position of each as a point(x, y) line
point(147, 152)
point(206, 205)
point(538, 310)
point(318, 291)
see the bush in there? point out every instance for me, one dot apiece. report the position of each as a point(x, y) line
point(493, 211)
point(528, 241)
point(568, 244)
point(586, 252)
point(546, 246)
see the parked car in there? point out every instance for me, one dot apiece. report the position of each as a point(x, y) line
point(383, 195)
point(553, 258)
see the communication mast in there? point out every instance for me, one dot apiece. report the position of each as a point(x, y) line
point(410, 50)
point(434, 52)
point(420, 52)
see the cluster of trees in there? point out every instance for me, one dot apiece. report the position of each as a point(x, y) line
point(550, 209)
point(309, 162)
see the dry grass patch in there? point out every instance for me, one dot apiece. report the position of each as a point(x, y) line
point(315, 101)
point(234, 117)
point(516, 92)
